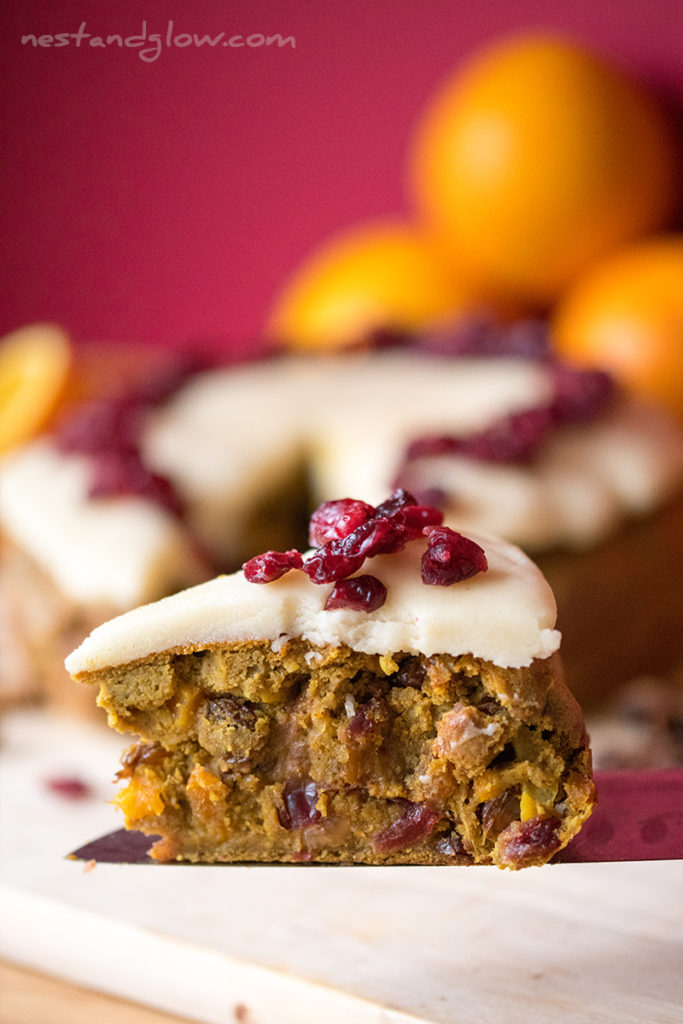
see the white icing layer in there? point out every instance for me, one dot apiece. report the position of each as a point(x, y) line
point(354, 416)
point(505, 615)
point(230, 438)
point(110, 551)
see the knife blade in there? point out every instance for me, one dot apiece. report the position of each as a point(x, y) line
point(638, 816)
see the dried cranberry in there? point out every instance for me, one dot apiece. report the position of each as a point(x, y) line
point(450, 558)
point(512, 438)
point(70, 787)
point(414, 518)
point(334, 520)
point(398, 500)
point(350, 531)
point(579, 395)
point(369, 719)
point(380, 535)
point(360, 594)
point(524, 843)
point(414, 825)
point(299, 805)
point(109, 431)
point(104, 425)
point(271, 565)
point(338, 559)
point(118, 473)
point(432, 446)
point(331, 563)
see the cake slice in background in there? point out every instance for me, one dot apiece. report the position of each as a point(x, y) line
point(87, 529)
point(69, 562)
point(392, 696)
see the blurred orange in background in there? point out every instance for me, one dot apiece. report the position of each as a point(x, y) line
point(626, 314)
point(531, 165)
point(536, 159)
point(35, 362)
point(383, 274)
point(42, 374)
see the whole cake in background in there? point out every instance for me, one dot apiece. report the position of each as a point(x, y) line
point(133, 497)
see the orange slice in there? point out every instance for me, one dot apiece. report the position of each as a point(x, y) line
point(34, 366)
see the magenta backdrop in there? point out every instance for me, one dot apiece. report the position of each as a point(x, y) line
point(166, 199)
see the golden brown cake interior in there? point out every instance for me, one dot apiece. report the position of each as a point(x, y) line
point(248, 753)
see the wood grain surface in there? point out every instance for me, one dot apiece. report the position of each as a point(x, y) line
point(27, 997)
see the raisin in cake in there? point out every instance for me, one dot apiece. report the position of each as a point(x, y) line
point(392, 696)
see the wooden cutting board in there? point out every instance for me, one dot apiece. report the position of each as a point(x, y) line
point(321, 945)
point(28, 996)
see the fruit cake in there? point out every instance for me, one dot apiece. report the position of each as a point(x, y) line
point(393, 695)
point(485, 423)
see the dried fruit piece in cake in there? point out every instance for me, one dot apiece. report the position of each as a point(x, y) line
point(277, 723)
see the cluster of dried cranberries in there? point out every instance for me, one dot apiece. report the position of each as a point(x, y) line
point(109, 430)
point(346, 532)
point(578, 396)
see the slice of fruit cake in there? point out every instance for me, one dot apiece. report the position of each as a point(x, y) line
point(392, 696)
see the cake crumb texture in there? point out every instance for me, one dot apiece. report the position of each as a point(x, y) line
point(258, 751)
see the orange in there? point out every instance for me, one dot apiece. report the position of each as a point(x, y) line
point(377, 275)
point(34, 366)
point(535, 160)
point(42, 375)
point(627, 315)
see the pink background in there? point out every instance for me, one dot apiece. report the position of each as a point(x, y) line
point(167, 201)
